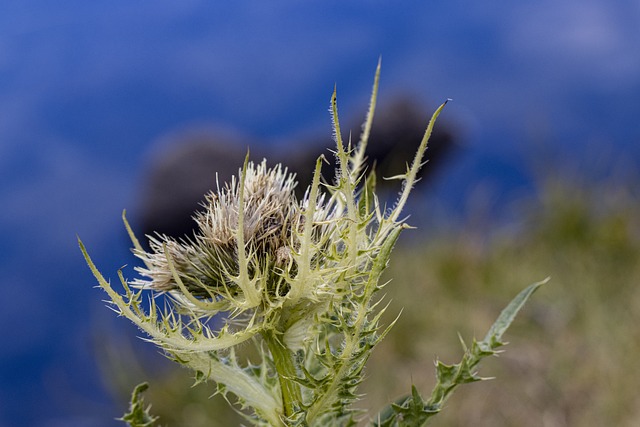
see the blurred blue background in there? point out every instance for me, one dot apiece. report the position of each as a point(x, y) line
point(87, 89)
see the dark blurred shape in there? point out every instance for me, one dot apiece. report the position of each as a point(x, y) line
point(397, 132)
point(179, 177)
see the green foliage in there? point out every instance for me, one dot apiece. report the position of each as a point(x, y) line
point(138, 415)
point(408, 411)
point(413, 411)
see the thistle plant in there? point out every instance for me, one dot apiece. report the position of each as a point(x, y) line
point(298, 280)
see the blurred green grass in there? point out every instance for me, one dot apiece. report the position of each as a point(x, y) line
point(573, 348)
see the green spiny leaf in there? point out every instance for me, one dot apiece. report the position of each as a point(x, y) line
point(412, 411)
point(507, 316)
point(138, 415)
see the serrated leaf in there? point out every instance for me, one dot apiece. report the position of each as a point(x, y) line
point(138, 415)
point(408, 411)
point(494, 336)
point(448, 377)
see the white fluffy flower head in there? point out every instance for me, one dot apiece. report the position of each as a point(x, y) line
point(244, 255)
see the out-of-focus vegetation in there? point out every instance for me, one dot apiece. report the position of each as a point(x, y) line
point(572, 352)
point(573, 349)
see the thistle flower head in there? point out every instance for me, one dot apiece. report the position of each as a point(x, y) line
point(206, 263)
point(245, 248)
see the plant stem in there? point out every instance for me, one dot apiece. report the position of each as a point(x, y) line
point(283, 360)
